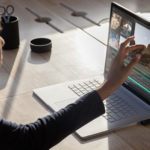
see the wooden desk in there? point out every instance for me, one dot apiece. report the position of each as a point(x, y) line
point(75, 55)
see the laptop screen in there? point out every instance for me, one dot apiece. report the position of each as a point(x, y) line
point(123, 24)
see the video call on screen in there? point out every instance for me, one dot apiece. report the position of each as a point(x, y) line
point(122, 27)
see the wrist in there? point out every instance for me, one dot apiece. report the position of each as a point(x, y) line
point(106, 89)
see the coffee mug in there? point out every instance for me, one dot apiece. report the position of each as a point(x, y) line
point(10, 33)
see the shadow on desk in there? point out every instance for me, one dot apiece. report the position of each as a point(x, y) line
point(13, 63)
point(35, 59)
point(9, 58)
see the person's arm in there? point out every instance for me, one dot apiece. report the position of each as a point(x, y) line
point(47, 132)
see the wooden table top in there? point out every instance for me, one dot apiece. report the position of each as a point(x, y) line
point(77, 53)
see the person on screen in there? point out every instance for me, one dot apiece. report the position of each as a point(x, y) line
point(50, 130)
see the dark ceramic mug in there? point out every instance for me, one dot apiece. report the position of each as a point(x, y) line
point(41, 45)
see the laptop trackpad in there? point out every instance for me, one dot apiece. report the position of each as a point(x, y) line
point(55, 93)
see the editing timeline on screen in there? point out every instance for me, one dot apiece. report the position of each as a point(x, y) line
point(123, 26)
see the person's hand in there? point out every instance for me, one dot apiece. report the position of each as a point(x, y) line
point(119, 72)
point(1, 45)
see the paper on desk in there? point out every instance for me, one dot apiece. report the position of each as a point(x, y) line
point(144, 15)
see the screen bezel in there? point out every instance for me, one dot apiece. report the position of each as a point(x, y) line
point(128, 84)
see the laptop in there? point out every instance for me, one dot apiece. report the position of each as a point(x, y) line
point(130, 103)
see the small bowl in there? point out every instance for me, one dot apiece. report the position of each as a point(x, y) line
point(41, 45)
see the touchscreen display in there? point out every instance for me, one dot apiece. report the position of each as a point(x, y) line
point(122, 26)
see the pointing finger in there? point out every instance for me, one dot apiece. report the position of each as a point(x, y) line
point(134, 47)
point(125, 43)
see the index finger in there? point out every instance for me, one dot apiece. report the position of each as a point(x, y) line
point(134, 47)
point(125, 43)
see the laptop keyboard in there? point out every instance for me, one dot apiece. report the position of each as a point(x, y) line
point(83, 88)
point(116, 107)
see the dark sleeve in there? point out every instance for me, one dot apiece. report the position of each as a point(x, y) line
point(48, 131)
